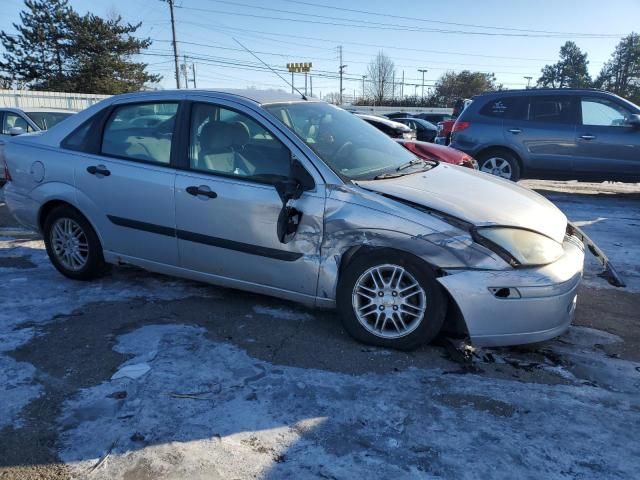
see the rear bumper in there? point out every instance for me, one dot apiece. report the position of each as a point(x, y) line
point(543, 306)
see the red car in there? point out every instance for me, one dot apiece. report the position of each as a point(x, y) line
point(440, 153)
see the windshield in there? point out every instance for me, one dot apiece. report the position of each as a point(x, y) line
point(348, 144)
point(46, 120)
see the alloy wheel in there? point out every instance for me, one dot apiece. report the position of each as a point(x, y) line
point(497, 166)
point(70, 244)
point(388, 301)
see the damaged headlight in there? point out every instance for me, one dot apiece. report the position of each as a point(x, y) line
point(519, 246)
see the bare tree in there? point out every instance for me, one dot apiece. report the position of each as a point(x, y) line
point(380, 73)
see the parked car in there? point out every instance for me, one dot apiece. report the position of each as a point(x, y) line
point(392, 128)
point(425, 131)
point(267, 192)
point(580, 134)
point(394, 115)
point(16, 121)
point(434, 118)
point(431, 151)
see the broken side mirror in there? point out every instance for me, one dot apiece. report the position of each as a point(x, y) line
point(14, 131)
point(291, 189)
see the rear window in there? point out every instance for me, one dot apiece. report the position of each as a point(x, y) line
point(46, 120)
point(505, 107)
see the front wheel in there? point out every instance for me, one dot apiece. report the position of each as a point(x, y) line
point(390, 300)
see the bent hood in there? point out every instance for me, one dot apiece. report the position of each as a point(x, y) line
point(478, 198)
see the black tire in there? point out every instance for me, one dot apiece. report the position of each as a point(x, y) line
point(505, 155)
point(429, 325)
point(95, 265)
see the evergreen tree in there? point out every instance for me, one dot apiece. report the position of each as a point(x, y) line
point(569, 72)
point(37, 54)
point(621, 74)
point(57, 49)
point(101, 56)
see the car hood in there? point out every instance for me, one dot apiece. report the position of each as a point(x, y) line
point(475, 197)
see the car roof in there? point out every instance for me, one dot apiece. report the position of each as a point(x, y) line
point(543, 91)
point(375, 118)
point(261, 97)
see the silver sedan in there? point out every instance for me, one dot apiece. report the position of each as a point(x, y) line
point(298, 199)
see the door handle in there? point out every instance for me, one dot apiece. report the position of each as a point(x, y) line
point(201, 190)
point(515, 131)
point(587, 137)
point(98, 170)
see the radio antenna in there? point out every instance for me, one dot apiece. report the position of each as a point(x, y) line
point(269, 67)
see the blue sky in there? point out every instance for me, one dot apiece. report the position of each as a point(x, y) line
point(205, 29)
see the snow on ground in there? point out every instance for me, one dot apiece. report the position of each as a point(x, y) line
point(33, 293)
point(208, 410)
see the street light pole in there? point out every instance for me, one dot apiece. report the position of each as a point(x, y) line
point(363, 78)
point(423, 70)
point(528, 81)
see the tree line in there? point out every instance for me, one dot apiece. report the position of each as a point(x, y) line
point(55, 48)
point(620, 75)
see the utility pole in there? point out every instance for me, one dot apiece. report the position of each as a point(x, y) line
point(193, 72)
point(528, 79)
point(175, 44)
point(402, 86)
point(423, 72)
point(363, 77)
point(311, 84)
point(341, 69)
point(185, 72)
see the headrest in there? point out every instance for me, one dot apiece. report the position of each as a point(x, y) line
point(241, 134)
point(216, 136)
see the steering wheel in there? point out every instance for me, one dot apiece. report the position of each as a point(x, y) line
point(344, 149)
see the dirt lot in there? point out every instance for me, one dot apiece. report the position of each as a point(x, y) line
point(140, 376)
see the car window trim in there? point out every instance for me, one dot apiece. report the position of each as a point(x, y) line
point(185, 127)
point(105, 119)
point(581, 122)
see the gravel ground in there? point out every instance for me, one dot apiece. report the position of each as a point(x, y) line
point(139, 376)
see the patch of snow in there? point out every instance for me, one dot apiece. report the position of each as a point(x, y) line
point(17, 389)
point(131, 371)
point(210, 409)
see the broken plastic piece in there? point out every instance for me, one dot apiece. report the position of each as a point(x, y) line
point(132, 371)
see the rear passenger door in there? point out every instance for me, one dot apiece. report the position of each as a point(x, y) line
point(126, 183)
point(608, 147)
point(543, 133)
point(227, 207)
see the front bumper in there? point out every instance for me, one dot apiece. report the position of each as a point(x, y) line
point(542, 305)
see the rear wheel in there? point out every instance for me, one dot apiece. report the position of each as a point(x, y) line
point(388, 299)
point(501, 164)
point(72, 244)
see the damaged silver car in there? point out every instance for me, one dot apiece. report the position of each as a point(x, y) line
point(295, 198)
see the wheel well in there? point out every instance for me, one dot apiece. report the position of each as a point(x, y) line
point(495, 149)
point(47, 208)
point(454, 323)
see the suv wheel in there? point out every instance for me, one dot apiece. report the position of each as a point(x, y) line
point(501, 164)
point(72, 245)
point(387, 300)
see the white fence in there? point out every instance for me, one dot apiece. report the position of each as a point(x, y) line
point(33, 99)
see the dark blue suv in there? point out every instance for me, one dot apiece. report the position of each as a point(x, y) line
point(553, 134)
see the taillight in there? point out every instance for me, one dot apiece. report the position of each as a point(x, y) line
point(459, 126)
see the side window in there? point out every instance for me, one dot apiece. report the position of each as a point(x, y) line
point(12, 120)
point(141, 131)
point(602, 112)
point(226, 142)
point(552, 109)
point(506, 107)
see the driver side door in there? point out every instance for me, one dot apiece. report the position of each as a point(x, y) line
point(227, 207)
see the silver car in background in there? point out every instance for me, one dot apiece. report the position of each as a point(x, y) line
point(267, 192)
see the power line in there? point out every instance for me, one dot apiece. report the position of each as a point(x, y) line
point(441, 22)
